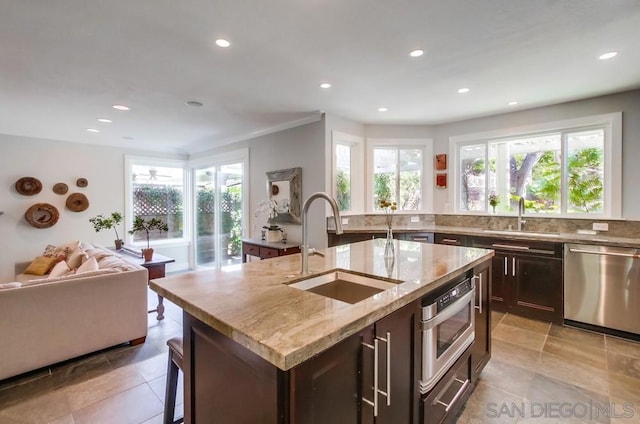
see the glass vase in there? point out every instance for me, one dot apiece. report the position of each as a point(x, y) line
point(389, 248)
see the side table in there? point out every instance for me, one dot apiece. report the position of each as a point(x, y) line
point(156, 268)
point(265, 250)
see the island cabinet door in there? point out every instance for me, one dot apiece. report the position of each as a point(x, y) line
point(481, 348)
point(397, 394)
point(325, 388)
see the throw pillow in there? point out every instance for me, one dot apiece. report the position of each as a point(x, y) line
point(14, 285)
point(90, 265)
point(76, 258)
point(59, 270)
point(40, 265)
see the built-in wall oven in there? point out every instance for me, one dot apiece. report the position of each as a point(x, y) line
point(448, 327)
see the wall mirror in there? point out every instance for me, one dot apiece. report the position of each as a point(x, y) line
point(284, 188)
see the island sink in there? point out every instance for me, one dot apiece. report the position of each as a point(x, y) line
point(344, 286)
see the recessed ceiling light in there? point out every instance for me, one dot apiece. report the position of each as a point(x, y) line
point(325, 85)
point(126, 137)
point(512, 103)
point(463, 90)
point(93, 130)
point(221, 42)
point(105, 120)
point(416, 53)
point(608, 55)
point(382, 109)
point(121, 107)
point(194, 103)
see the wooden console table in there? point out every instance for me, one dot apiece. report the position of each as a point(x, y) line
point(156, 268)
point(264, 250)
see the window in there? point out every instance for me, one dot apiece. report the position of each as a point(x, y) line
point(560, 172)
point(156, 190)
point(399, 171)
point(348, 172)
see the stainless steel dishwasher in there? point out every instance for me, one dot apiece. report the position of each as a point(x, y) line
point(602, 286)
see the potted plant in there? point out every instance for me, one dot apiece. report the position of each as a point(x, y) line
point(147, 225)
point(494, 200)
point(101, 222)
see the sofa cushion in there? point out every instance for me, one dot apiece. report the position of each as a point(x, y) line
point(71, 276)
point(13, 285)
point(89, 265)
point(59, 270)
point(41, 265)
point(76, 258)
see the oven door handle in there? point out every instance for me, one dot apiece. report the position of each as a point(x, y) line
point(450, 311)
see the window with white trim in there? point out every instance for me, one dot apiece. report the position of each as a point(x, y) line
point(400, 171)
point(156, 189)
point(348, 170)
point(567, 170)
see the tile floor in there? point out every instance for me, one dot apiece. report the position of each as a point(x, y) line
point(535, 367)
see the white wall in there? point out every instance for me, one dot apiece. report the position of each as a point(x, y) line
point(54, 162)
point(301, 146)
point(627, 102)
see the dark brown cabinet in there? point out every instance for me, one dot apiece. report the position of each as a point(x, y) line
point(450, 239)
point(527, 277)
point(335, 386)
point(397, 396)
point(481, 348)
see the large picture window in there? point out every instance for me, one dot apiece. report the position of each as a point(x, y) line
point(565, 171)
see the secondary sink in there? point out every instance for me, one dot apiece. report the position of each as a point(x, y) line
point(344, 286)
point(523, 233)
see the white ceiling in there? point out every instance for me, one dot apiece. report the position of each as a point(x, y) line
point(64, 63)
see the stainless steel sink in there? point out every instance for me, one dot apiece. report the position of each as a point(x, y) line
point(521, 233)
point(344, 286)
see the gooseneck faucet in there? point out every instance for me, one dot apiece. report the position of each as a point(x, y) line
point(521, 221)
point(304, 263)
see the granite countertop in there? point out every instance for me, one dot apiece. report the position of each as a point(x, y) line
point(286, 326)
point(601, 239)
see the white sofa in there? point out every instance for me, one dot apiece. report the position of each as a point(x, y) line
point(51, 321)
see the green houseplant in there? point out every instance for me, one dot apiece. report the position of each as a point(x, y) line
point(147, 225)
point(101, 222)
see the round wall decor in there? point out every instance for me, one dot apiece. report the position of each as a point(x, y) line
point(82, 182)
point(42, 215)
point(60, 188)
point(28, 186)
point(77, 202)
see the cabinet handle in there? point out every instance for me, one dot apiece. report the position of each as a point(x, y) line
point(510, 246)
point(449, 405)
point(479, 305)
point(591, 252)
point(448, 240)
point(513, 266)
point(419, 239)
point(375, 377)
point(387, 394)
point(506, 266)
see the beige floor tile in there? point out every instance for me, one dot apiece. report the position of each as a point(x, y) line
point(67, 419)
point(577, 336)
point(40, 409)
point(574, 373)
point(159, 385)
point(622, 346)
point(488, 404)
point(158, 419)
point(84, 394)
point(507, 377)
point(133, 406)
point(153, 367)
point(570, 350)
point(515, 355)
point(8, 420)
point(626, 389)
point(622, 364)
point(541, 327)
point(496, 317)
point(521, 337)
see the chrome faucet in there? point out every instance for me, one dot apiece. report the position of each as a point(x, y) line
point(304, 263)
point(521, 221)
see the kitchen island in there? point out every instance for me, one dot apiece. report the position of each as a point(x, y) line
point(258, 350)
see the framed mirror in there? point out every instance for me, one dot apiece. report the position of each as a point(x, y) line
point(284, 189)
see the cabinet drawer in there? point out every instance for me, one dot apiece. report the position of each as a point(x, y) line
point(250, 249)
point(156, 271)
point(420, 237)
point(265, 253)
point(450, 394)
point(451, 239)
